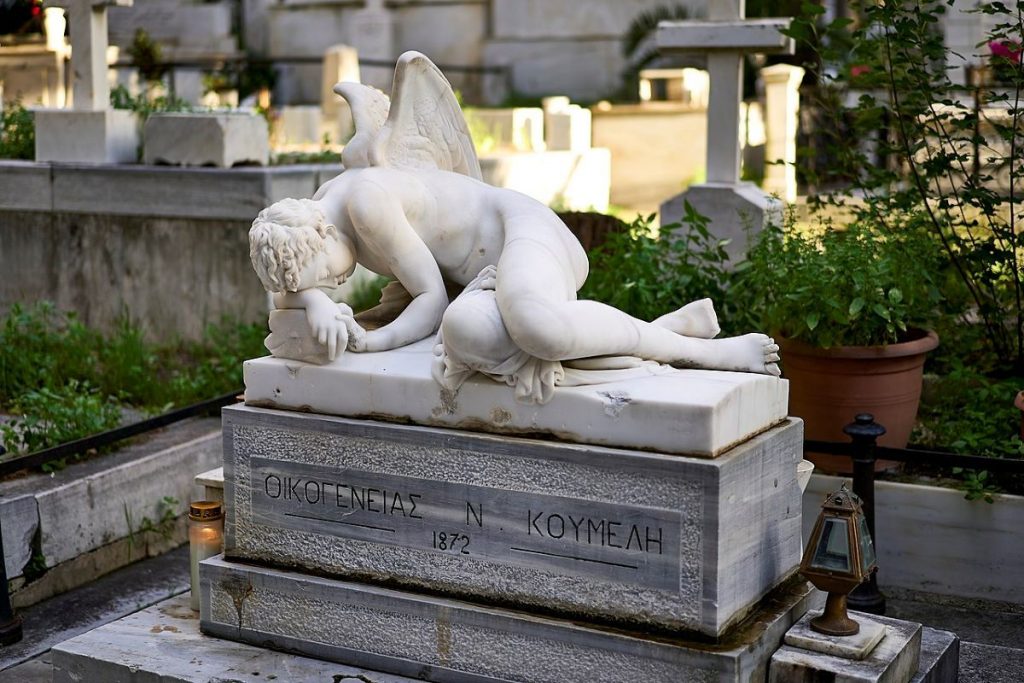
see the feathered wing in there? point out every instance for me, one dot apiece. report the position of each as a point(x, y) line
point(369, 113)
point(425, 127)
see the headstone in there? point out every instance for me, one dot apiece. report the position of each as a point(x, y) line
point(371, 34)
point(567, 127)
point(735, 209)
point(298, 125)
point(206, 139)
point(782, 105)
point(341, 63)
point(517, 128)
point(687, 86)
point(91, 132)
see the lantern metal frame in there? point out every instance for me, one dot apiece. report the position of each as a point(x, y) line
point(840, 505)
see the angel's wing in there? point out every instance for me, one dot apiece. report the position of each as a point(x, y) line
point(369, 112)
point(425, 127)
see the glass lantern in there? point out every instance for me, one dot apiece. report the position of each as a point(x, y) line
point(838, 558)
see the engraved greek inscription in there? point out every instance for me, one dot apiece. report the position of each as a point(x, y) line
point(277, 484)
point(370, 500)
point(560, 526)
point(647, 534)
point(397, 504)
point(316, 491)
point(477, 514)
point(611, 535)
point(412, 499)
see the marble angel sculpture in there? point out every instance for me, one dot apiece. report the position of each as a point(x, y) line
point(410, 204)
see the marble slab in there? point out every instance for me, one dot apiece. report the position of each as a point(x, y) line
point(627, 537)
point(896, 658)
point(438, 639)
point(856, 646)
point(692, 412)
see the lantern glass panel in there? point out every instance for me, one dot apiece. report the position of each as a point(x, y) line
point(867, 547)
point(833, 551)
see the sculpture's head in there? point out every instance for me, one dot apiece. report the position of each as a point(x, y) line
point(293, 247)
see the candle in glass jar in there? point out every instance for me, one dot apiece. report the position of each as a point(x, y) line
point(205, 538)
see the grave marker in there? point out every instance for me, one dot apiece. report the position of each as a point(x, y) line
point(725, 36)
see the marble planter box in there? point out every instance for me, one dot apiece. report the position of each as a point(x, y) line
point(437, 639)
point(215, 139)
point(639, 539)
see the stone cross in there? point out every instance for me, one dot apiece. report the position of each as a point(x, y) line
point(725, 36)
point(734, 208)
point(88, 19)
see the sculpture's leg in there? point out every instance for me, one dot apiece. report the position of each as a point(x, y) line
point(536, 297)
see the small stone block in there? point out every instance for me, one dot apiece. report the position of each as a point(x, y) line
point(894, 660)
point(107, 136)
point(290, 338)
point(201, 139)
point(212, 482)
point(857, 646)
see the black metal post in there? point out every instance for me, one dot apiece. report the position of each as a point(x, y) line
point(10, 623)
point(864, 432)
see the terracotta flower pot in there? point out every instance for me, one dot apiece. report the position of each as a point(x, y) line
point(828, 387)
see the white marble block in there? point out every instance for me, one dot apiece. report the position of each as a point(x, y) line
point(518, 128)
point(693, 412)
point(213, 139)
point(105, 136)
point(299, 125)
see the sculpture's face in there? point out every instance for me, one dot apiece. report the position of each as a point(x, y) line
point(331, 266)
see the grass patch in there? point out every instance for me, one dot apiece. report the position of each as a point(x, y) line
point(61, 380)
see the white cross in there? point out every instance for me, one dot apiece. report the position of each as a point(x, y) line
point(88, 21)
point(725, 36)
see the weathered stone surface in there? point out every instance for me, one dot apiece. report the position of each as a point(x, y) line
point(163, 643)
point(445, 640)
point(83, 514)
point(940, 657)
point(20, 519)
point(895, 660)
point(108, 136)
point(857, 646)
point(206, 139)
point(533, 519)
point(698, 412)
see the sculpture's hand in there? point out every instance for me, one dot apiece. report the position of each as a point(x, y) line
point(327, 323)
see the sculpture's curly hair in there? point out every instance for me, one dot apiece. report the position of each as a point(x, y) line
point(283, 240)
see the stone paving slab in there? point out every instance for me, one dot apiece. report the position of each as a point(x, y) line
point(163, 643)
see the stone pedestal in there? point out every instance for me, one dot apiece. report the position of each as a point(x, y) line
point(782, 106)
point(736, 211)
point(607, 535)
point(105, 136)
point(893, 658)
point(650, 407)
point(215, 139)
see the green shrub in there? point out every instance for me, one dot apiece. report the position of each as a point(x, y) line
point(648, 273)
point(17, 133)
point(52, 416)
point(853, 287)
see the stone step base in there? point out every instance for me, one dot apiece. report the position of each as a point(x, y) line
point(438, 639)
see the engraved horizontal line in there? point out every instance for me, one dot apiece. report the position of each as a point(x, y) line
point(574, 557)
point(338, 521)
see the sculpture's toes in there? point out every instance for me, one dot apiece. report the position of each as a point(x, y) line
point(770, 351)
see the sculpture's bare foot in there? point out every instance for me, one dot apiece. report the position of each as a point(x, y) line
point(750, 353)
point(695, 319)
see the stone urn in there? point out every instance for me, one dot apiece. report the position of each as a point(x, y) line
point(828, 387)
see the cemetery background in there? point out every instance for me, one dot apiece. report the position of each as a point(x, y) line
point(976, 432)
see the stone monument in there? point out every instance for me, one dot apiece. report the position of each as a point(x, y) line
point(733, 207)
point(91, 131)
point(484, 466)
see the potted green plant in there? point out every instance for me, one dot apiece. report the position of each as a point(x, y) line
point(851, 310)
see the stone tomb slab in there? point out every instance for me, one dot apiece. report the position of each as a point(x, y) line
point(651, 407)
point(438, 639)
point(627, 537)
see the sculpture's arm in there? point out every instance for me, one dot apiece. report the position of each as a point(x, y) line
point(414, 267)
point(417, 271)
point(326, 318)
